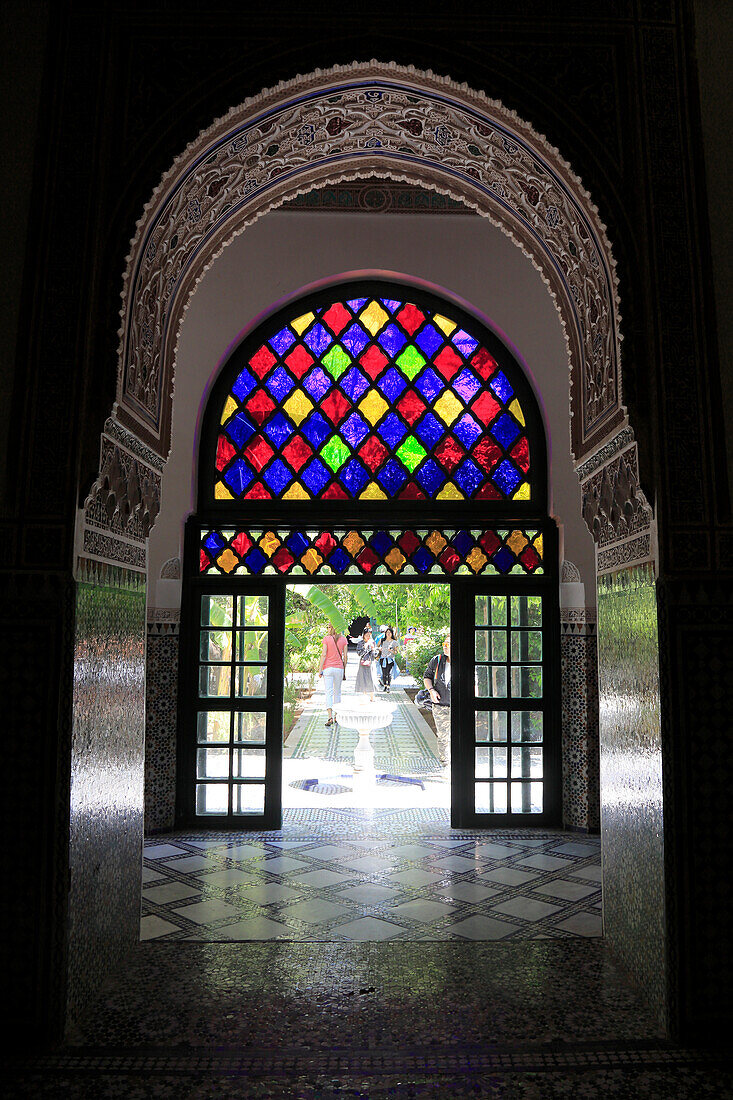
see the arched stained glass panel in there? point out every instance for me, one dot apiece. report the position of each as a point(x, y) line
point(372, 398)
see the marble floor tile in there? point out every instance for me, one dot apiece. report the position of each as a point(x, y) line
point(171, 891)
point(276, 865)
point(421, 909)
point(591, 873)
point(583, 924)
point(151, 876)
point(329, 851)
point(576, 848)
point(322, 878)
point(479, 927)
point(466, 891)
point(497, 851)
point(415, 876)
point(314, 911)
point(228, 876)
point(508, 876)
point(457, 863)
point(368, 864)
point(570, 891)
point(410, 851)
point(265, 893)
point(256, 928)
point(151, 927)
point(370, 929)
point(159, 851)
point(525, 908)
point(191, 863)
point(204, 912)
point(545, 863)
point(369, 893)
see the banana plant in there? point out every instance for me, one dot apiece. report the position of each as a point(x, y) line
point(318, 598)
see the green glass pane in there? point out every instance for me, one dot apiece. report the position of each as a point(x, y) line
point(411, 453)
point(490, 610)
point(411, 362)
point(526, 611)
point(216, 645)
point(498, 645)
point(250, 726)
point(526, 645)
point(336, 361)
point(215, 681)
point(527, 681)
point(251, 645)
point(335, 452)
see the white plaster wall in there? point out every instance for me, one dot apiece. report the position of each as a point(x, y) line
point(285, 252)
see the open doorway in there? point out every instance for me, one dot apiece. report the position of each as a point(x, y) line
point(367, 737)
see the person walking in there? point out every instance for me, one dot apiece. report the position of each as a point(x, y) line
point(388, 645)
point(436, 679)
point(332, 669)
point(368, 652)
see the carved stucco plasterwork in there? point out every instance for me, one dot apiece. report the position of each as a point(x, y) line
point(122, 505)
point(349, 122)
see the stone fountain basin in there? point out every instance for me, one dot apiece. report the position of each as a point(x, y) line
point(366, 716)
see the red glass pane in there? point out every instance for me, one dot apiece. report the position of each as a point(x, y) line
point(204, 561)
point(258, 452)
point(373, 361)
point(485, 407)
point(241, 543)
point(297, 452)
point(411, 407)
point(520, 454)
point(325, 543)
point(337, 318)
point(412, 491)
point(261, 361)
point(487, 453)
point(410, 317)
point(448, 363)
point(335, 407)
point(373, 453)
point(260, 405)
point(258, 492)
point(283, 559)
point(488, 492)
point(299, 361)
point(483, 363)
point(408, 542)
point(489, 542)
point(449, 559)
point(529, 558)
point(224, 451)
point(449, 452)
point(367, 559)
point(334, 492)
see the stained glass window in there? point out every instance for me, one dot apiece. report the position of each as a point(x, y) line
point(372, 398)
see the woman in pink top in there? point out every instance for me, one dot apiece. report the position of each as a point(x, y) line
point(333, 667)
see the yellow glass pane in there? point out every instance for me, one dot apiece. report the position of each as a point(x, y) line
point(311, 560)
point(227, 560)
point(442, 322)
point(476, 559)
point(373, 407)
point(516, 410)
point(269, 543)
point(300, 324)
point(296, 492)
point(537, 543)
point(373, 317)
point(517, 542)
point(435, 542)
point(297, 406)
point(448, 407)
point(522, 492)
point(353, 543)
point(230, 407)
point(395, 559)
point(221, 492)
point(450, 492)
point(372, 492)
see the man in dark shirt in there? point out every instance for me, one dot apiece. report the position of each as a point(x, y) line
point(437, 680)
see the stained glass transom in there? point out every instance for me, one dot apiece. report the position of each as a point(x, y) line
point(345, 552)
point(372, 399)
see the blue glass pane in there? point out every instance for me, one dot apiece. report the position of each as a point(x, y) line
point(354, 429)
point(297, 544)
point(466, 384)
point(392, 340)
point(277, 476)
point(353, 477)
point(467, 430)
point(245, 383)
point(430, 430)
point(356, 303)
point(381, 543)
point(464, 343)
point(391, 430)
point(240, 428)
point(281, 341)
point(318, 339)
point(462, 542)
point(500, 385)
point(506, 477)
point(315, 476)
point(392, 384)
point(280, 384)
point(505, 431)
point(317, 383)
point(214, 542)
point(429, 340)
point(422, 559)
point(354, 384)
point(238, 476)
point(390, 303)
point(255, 560)
point(429, 384)
point(355, 339)
point(503, 559)
point(339, 560)
point(468, 476)
point(431, 477)
point(392, 476)
point(279, 429)
point(315, 429)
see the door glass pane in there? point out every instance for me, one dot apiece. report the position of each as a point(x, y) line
point(526, 610)
point(481, 647)
point(527, 681)
point(491, 763)
point(248, 798)
point(212, 764)
point(212, 798)
point(249, 764)
point(526, 798)
point(251, 681)
point(216, 645)
point(527, 725)
point(213, 725)
point(253, 610)
point(527, 762)
point(490, 682)
point(526, 645)
point(250, 726)
point(490, 798)
point(490, 610)
point(215, 680)
point(252, 645)
point(217, 610)
point(490, 725)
